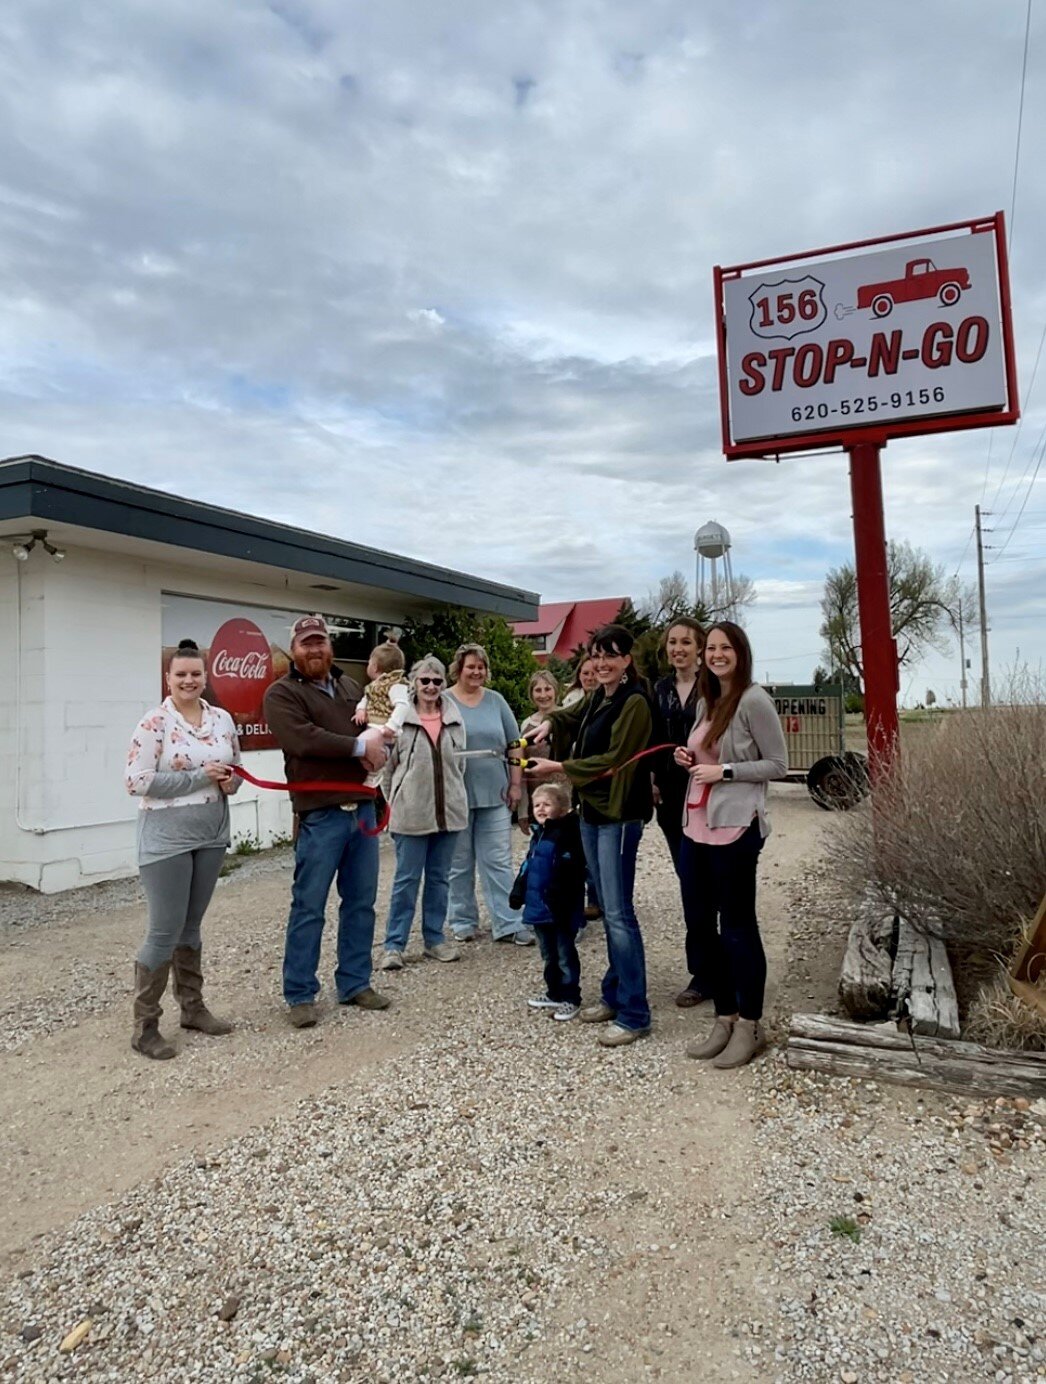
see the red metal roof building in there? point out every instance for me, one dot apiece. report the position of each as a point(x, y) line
point(562, 625)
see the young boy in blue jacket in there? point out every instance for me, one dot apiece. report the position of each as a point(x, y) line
point(550, 889)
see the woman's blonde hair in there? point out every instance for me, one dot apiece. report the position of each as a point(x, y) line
point(541, 676)
point(463, 652)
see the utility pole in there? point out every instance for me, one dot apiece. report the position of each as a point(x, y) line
point(962, 654)
point(986, 689)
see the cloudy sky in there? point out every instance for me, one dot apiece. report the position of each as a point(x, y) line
point(437, 277)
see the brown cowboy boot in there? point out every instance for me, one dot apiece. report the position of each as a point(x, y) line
point(148, 988)
point(188, 991)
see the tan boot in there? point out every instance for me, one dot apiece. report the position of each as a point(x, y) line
point(746, 1041)
point(148, 988)
point(188, 991)
point(716, 1041)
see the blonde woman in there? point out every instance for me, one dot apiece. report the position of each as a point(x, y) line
point(493, 786)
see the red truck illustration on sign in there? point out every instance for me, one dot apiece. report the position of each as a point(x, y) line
point(922, 279)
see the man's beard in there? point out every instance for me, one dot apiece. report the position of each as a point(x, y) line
point(314, 665)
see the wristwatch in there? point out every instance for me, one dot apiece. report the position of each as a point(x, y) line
point(728, 773)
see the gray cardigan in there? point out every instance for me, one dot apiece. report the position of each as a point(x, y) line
point(425, 786)
point(754, 744)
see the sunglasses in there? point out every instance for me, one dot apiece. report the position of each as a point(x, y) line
point(431, 682)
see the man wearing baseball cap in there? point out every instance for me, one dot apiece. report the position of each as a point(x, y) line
point(310, 712)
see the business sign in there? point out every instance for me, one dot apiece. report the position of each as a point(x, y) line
point(912, 336)
point(245, 648)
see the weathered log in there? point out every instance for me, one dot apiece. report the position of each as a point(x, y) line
point(883, 1053)
point(922, 983)
point(864, 984)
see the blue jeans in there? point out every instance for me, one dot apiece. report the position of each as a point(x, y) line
point(562, 965)
point(331, 846)
point(416, 856)
point(483, 848)
point(718, 884)
point(610, 852)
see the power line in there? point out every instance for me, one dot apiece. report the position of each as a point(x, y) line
point(1020, 123)
point(1013, 215)
point(1027, 495)
point(969, 540)
point(1020, 424)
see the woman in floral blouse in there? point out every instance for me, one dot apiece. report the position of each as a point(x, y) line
point(179, 765)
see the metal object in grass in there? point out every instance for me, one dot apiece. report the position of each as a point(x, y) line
point(812, 719)
point(1030, 966)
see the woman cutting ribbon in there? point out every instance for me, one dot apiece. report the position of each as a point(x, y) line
point(610, 731)
point(736, 748)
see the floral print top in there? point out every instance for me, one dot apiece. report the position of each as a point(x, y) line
point(167, 755)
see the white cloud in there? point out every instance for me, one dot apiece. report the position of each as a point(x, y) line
point(447, 273)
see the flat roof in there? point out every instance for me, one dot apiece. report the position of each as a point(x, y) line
point(34, 487)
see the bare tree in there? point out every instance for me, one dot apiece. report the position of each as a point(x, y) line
point(923, 606)
point(672, 599)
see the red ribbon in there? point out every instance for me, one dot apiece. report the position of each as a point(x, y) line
point(319, 786)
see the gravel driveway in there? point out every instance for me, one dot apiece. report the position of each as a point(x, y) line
point(458, 1187)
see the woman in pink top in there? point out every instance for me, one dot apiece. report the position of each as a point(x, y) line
point(736, 748)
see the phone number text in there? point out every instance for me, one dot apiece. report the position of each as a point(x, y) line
point(872, 403)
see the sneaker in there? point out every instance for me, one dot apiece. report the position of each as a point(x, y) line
point(592, 912)
point(302, 1015)
point(691, 996)
point(616, 1036)
point(368, 999)
point(524, 937)
point(443, 951)
point(563, 1013)
point(391, 961)
point(465, 936)
point(543, 1002)
point(597, 1014)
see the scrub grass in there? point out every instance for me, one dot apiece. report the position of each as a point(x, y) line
point(959, 841)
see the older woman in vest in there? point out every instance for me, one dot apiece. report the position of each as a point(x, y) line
point(428, 806)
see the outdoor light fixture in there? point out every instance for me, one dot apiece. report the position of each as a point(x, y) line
point(21, 546)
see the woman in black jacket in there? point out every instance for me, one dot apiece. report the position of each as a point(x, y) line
point(675, 702)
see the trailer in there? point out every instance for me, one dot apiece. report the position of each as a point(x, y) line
point(813, 721)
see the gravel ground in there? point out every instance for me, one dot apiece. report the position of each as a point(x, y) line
point(458, 1187)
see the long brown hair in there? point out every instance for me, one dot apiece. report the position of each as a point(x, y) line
point(720, 708)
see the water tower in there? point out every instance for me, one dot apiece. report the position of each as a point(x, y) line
point(714, 585)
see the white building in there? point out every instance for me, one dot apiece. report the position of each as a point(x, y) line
point(97, 577)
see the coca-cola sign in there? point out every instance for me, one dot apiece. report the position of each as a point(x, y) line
point(256, 664)
point(239, 669)
point(247, 647)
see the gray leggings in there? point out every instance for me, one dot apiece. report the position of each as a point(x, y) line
point(177, 891)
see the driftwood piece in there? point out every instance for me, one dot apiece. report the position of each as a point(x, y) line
point(880, 1051)
point(864, 984)
point(922, 984)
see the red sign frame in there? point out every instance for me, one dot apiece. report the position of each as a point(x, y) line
point(880, 434)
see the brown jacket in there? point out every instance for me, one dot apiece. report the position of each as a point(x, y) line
point(317, 736)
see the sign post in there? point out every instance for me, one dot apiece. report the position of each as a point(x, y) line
point(850, 346)
point(878, 646)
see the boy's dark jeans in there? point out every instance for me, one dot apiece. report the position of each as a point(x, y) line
point(562, 964)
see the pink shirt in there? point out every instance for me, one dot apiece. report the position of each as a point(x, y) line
point(695, 812)
point(432, 724)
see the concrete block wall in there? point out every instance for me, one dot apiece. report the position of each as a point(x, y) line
point(83, 641)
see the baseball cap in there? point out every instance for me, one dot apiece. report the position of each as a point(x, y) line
point(309, 624)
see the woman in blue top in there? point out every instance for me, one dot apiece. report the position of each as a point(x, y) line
point(493, 789)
